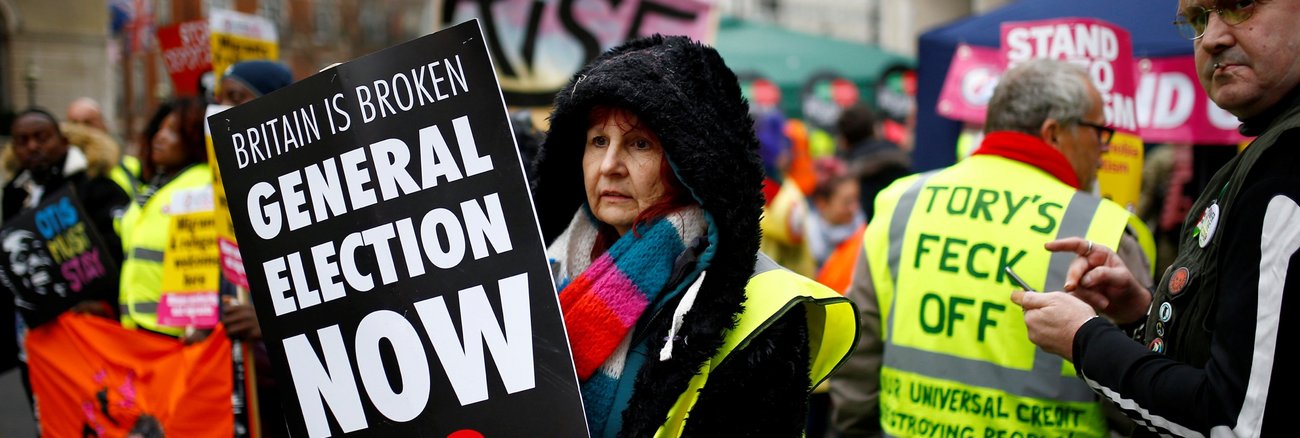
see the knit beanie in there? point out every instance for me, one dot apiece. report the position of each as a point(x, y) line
point(261, 77)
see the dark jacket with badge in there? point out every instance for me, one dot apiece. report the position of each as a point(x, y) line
point(762, 389)
point(1214, 352)
point(100, 196)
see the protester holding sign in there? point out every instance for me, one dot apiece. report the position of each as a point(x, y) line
point(45, 157)
point(175, 166)
point(243, 82)
point(648, 188)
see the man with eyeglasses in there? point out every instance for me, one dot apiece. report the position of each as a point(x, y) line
point(1208, 361)
point(931, 286)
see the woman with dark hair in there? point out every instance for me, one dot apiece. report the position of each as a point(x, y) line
point(649, 194)
point(174, 164)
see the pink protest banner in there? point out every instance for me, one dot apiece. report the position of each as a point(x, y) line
point(537, 46)
point(232, 264)
point(200, 310)
point(1173, 107)
point(186, 53)
point(1105, 50)
point(972, 76)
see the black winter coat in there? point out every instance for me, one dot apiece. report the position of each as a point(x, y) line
point(691, 100)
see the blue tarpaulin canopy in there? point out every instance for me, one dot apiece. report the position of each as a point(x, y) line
point(1149, 23)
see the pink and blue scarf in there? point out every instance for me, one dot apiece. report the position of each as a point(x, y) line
point(603, 299)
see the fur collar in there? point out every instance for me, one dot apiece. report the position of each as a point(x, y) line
point(102, 153)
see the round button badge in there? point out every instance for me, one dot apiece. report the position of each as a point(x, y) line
point(1178, 281)
point(1157, 345)
point(1166, 312)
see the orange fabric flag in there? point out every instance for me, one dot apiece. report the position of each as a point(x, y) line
point(92, 377)
point(837, 272)
point(801, 167)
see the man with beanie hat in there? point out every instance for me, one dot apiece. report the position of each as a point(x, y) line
point(243, 82)
point(249, 80)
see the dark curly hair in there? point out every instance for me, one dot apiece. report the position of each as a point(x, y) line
point(189, 113)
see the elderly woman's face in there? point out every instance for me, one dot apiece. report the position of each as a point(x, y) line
point(621, 168)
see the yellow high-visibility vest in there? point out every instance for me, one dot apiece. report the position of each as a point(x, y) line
point(144, 231)
point(957, 359)
point(127, 175)
point(771, 292)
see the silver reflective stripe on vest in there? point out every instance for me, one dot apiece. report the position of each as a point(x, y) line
point(149, 308)
point(147, 255)
point(1078, 216)
point(898, 226)
point(1044, 381)
point(764, 264)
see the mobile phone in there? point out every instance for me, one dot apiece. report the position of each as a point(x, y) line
point(1019, 281)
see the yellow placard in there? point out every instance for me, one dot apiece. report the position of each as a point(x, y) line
point(228, 49)
point(225, 228)
point(190, 263)
point(1120, 175)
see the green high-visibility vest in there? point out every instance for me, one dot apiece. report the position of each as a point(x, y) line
point(957, 358)
point(771, 292)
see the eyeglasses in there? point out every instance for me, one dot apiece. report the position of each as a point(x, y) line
point(1192, 20)
point(1104, 133)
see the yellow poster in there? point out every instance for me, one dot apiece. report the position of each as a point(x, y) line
point(190, 261)
point(190, 272)
point(240, 37)
point(1120, 175)
point(224, 228)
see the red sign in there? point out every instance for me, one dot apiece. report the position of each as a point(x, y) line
point(187, 52)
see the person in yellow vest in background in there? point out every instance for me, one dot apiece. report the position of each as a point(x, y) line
point(174, 161)
point(126, 172)
point(942, 348)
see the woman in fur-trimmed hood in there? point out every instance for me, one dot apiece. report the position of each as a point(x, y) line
point(648, 190)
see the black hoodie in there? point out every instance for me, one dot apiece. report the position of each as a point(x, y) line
point(685, 93)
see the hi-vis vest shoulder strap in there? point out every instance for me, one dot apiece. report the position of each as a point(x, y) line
point(771, 292)
point(957, 355)
point(144, 231)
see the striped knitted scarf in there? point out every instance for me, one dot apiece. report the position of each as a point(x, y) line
point(603, 299)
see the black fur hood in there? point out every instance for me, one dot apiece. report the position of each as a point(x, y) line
point(683, 92)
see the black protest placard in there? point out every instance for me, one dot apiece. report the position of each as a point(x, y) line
point(392, 252)
point(51, 258)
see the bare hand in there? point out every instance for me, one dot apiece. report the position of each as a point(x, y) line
point(1101, 279)
point(195, 336)
point(1052, 319)
point(240, 321)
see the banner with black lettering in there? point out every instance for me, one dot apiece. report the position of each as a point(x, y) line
point(394, 259)
point(537, 46)
point(51, 258)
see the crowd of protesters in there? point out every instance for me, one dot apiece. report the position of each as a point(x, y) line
point(642, 203)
